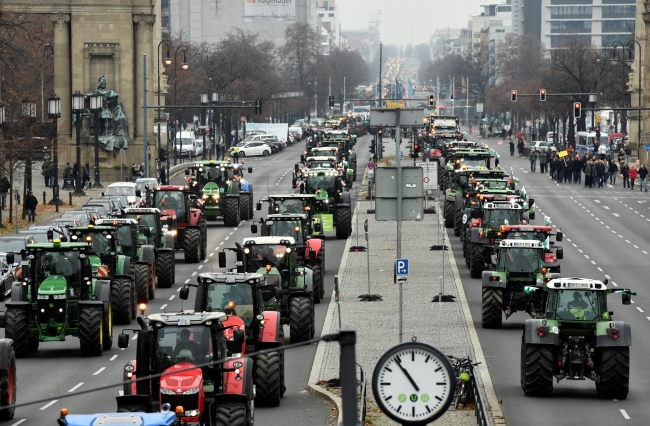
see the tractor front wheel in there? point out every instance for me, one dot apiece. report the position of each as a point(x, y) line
point(192, 245)
point(8, 386)
point(122, 300)
point(476, 260)
point(536, 369)
point(231, 414)
point(244, 209)
point(231, 213)
point(142, 282)
point(164, 269)
point(449, 214)
point(301, 319)
point(318, 283)
point(343, 221)
point(458, 222)
point(268, 383)
point(614, 372)
point(16, 322)
point(492, 307)
point(90, 331)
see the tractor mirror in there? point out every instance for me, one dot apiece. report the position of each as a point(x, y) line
point(87, 272)
point(258, 206)
point(222, 259)
point(559, 236)
point(531, 215)
point(312, 258)
point(50, 235)
point(296, 167)
point(64, 239)
point(123, 341)
point(239, 337)
point(559, 253)
point(250, 170)
point(278, 293)
point(184, 293)
point(146, 231)
point(10, 259)
point(254, 229)
point(302, 188)
point(531, 202)
point(293, 182)
point(318, 227)
point(626, 299)
point(338, 185)
point(302, 159)
point(138, 193)
point(187, 172)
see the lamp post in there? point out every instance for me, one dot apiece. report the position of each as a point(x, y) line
point(96, 105)
point(45, 49)
point(54, 111)
point(308, 102)
point(77, 109)
point(168, 61)
point(2, 201)
point(215, 135)
point(184, 66)
point(28, 112)
point(204, 101)
point(629, 46)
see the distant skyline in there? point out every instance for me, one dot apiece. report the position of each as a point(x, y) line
point(408, 21)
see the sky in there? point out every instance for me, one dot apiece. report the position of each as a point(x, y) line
point(408, 21)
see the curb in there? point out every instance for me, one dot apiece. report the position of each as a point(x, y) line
point(493, 407)
point(320, 350)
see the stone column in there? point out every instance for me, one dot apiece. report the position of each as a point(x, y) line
point(62, 75)
point(143, 46)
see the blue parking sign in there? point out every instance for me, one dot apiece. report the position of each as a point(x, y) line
point(401, 267)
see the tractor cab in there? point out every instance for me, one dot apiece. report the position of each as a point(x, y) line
point(273, 256)
point(326, 184)
point(321, 162)
point(203, 172)
point(523, 260)
point(553, 254)
point(103, 250)
point(290, 203)
point(148, 224)
point(294, 225)
point(175, 202)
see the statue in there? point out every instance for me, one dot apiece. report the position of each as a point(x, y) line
point(113, 124)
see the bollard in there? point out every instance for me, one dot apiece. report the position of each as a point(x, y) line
point(70, 196)
point(44, 197)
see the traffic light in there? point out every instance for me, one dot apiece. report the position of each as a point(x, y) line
point(416, 148)
point(431, 101)
point(451, 96)
point(513, 95)
point(258, 106)
point(577, 110)
point(598, 134)
point(341, 97)
point(542, 95)
point(483, 118)
point(331, 101)
point(379, 132)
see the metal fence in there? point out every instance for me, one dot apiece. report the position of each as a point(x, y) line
point(482, 417)
point(361, 382)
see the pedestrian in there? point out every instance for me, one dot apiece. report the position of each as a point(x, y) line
point(643, 174)
point(50, 174)
point(570, 169)
point(602, 151)
point(30, 205)
point(579, 163)
point(163, 175)
point(553, 167)
point(218, 150)
point(533, 160)
point(4, 189)
point(520, 145)
point(625, 169)
point(44, 173)
point(135, 171)
point(588, 174)
point(628, 152)
point(141, 170)
point(632, 174)
point(427, 153)
point(613, 169)
point(543, 158)
point(235, 153)
point(86, 176)
point(196, 121)
point(510, 133)
point(560, 166)
point(600, 173)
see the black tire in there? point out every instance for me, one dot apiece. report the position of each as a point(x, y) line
point(283, 388)
point(268, 380)
point(244, 206)
point(90, 331)
point(476, 262)
point(142, 282)
point(536, 369)
point(8, 386)
point(318, 283)
point(614, 372)
point(107, 326)
point(204, 239)
point(16, 322)
point(231, 414)
point(492, 307)
point(191, 245)
point(122, 300)
point(300, 319)
point(458, 222)
point(265, 153)
point(231, 213)
point(445, 182)
point(449, 214)
point(343, 222)
point(134, 293)
point(164, 269)
point(251, 202)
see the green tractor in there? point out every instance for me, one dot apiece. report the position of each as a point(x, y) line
point(277, 259)
point(575, 338)
point(59, 297)
point(332, 200)
point(153, 232)
point(111, 257)
point(519, 267)
point(457, 159)
point(345, 153)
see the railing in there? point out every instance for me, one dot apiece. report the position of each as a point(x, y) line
point(482, 417)
point(361, 382)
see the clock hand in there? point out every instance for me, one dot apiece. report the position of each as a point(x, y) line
point(408, 376)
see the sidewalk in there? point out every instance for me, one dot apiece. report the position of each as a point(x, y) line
point(377, 323)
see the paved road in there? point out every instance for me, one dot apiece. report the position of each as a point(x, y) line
point(57, 368)
point(606, 234)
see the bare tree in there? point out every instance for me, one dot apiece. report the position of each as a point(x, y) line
point(300, 52)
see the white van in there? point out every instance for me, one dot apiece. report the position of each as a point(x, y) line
point(188, 145)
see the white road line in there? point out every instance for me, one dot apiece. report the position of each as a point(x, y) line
point(179, 288)
point(200, 266)
point(620, 235)
point(194, 273)
point(639, 309)
point(613, 231)
point(602, 223)
point(113, 358)
point(635, 246)
point(600, 269)
point(580, 251)
point(644, 252)
point(568, 240)
point(606, 208)
point(172, 297)
point(628, 241)
point(607, 226)
point(77, 386)
point(592, 214)
point(187, 281)
point(226, 239)
point(231, 233)
point(574, 245)
point(135, 336)
point(19, 422)
point(211, 254)
point(48, 405)
point(614, 284)
point(648, 318)
point(162, 308)
point(593, 263)
point(206, 260)
point(120, 393)
point(587, 257)
point(625, 415)
point(221, 243)
point(607, 276)
point(99, 371)
point(235, 228)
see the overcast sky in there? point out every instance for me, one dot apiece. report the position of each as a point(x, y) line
point(408, 21)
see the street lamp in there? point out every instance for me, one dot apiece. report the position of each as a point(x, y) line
point(184, 66)
point(77, 108)
point(54, 111)
point(45, 49)
point(167, 61)
point(96, 106)
point(28, 111)
point(204, 101)
point(216, 135)
point(629, 46)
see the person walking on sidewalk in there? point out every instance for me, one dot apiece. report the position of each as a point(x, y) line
point(30, 205)
point(163, 175)
point(613, 169)
point(632, 174)
point(44, 173)
point(533, 160)
point(135, 172)
point(543, 159)
point(643, 174)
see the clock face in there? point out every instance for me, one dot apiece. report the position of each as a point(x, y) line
point(413, 382)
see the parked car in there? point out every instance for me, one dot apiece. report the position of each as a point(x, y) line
point(252, 148)
point(69, 222)
point(125, 189)
point(543, 146)
point(143, 184)
point(39, 235)
point(84, 216)
point(97, 209)
point(57, 230)
point(111, 206)
point(121, 199)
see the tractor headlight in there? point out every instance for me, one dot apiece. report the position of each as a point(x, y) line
point(167, 392)
point(191, 391)
point(215, 196)
point(59, 296)
point(192, 413)
point(205, 197)
point(42, 297)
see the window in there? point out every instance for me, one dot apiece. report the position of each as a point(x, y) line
point(560, 40)
point(331, 15)
point(564, 11)
point(618, 26)
point(570, 26)
point(609, 11)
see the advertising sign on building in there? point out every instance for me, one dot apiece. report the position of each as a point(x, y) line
point(270, 8)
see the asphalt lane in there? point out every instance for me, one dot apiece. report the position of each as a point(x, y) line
point(606, 235)
point(57, 368)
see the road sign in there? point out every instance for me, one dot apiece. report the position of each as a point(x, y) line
point(598, 119)
point(371, 165)
point(646, 147)
point(528, 123)
point(430, 174)
point(387, 117)
point(401, 267)
point(395, 104)
point(401, 155)
point(402, 279)
point(479, 107)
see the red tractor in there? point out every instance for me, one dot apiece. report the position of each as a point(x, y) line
point(182, 212)
point(180, 350)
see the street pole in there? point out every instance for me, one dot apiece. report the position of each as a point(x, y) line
point(398, 164)
point(638, 136)
point(381, 46)
point(97, 113)
point(45, 49)
point(145, 117)
point(56, 164)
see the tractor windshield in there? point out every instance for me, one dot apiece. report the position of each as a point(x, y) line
point(220, 294)
point(324, 153)
point(174, 200)
point(261, 255)
point(211, 174)
point(475, 161)
point(520, 259)
point(124, 243)
point(101, 243)
point(290, 205)
point(182, 344)
point(62, 263)
point(315, 182)
point(497, 184)
point(497, 217)
point(577, 305)
point(321, 164)
point(285, 228)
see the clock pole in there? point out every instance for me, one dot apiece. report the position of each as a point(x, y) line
point(348, 380)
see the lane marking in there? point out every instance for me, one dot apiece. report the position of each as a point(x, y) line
point(635, 246)
point(200, 266)
point(77, 386)
point(574, 245)
point(120, 393)
point(211, 254)
point(163, 307)
point(640, 310)
point(231, 233)
point(113, 358)
point(187, 281)
point(593, 263)
point(607, 276)
point(644, 252)
point(226, 239)
point(19, 422)
point(48, 405)
point(135, 336)
point(194, 273)
point(628, 241)
point(178, 289)
point(206, 260)
point(172, 297)
point(99, 371)
point(624, 413)
point(614, 284)
point(600, 269)
point(580, 251)
point(221, 243)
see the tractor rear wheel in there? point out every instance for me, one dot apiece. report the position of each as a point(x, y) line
point(244, 210)
point(476, 263)
point(192, 245)
point(8, 386)
point(122, 300)
point(458, 222)
point(231, 413)
point(142, 282)
point(614, 372)
point(343, 222)
point(492, 307)
point(204, 239)
point(16, 323)
point(318, 283)
point(268, 383)
point(90, 331)
point(231, 213)
point(300, 319)
point(449, 214)
point(164, 268)
point(536, 369)
point(107, 326)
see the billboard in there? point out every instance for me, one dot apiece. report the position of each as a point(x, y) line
point(270, 8)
